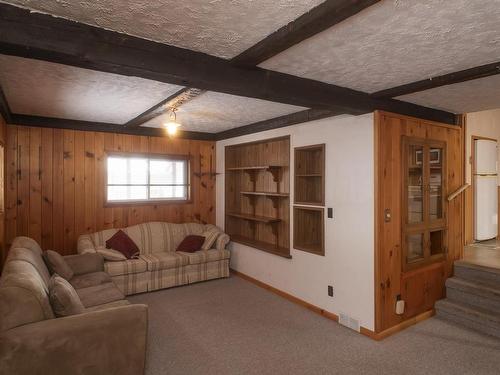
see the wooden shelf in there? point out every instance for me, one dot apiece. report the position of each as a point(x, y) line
point(310, 175)
point(261, 167)
point(266, 193)
point(261, 245)
point(308, 230)
point(260, 219)
point(257, 183)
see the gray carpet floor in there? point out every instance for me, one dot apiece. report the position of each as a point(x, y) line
point(231, 326)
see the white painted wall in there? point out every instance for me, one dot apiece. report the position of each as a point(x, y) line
point(348, 264)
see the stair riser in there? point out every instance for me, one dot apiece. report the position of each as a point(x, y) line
point(477, 275)
point(472, 323)
point(489, 302)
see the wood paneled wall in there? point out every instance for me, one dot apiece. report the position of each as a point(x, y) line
point(55, 187)
point(421, 287)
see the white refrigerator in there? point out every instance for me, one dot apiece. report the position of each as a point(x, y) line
point(485, 190)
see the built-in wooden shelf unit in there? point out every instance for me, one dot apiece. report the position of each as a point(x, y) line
point(258, 195)
point(308, 232)
point(310, 175)
point(309, 188)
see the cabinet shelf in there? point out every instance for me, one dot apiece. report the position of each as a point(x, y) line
point(261, 245)
point(266, 194)
point(250, 217)
point(260, 167)
point(309, 175)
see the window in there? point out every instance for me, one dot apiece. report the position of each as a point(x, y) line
point(137, 178)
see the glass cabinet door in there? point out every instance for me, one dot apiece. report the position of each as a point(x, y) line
point(424, 227)
point(415, 183)
point(436, 180)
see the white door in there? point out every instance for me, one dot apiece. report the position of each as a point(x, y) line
point(486, 207)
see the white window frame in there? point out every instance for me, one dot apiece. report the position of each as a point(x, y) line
point(149, 158)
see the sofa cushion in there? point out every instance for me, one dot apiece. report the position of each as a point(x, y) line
point(89, 279)
point(24, 296)
point(164, 260)
point(109, 305)
point(57, 264)
point(205, 256)
point(156, 237)
point(99, 294)
point(191, 243)
point(63, 297)
point(124, 244)
point(111, 254)
point(125, 267)
point(32, 257)
point(210, 234)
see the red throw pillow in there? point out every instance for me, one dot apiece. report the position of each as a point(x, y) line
point(124, 244)
point(191, 243)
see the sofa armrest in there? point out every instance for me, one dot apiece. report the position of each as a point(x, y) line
point(85, 263)
point(111, 341)
point(222, 241)
point(85, 244)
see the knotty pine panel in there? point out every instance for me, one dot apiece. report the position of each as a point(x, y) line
point(55, 184)
point(421, 287)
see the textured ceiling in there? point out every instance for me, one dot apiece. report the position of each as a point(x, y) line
point(222, 28)
point(214, 112)
point(471, 96)
point(41, 88)
point(396, 42)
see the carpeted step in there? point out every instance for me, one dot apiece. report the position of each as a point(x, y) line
point(481, 274)
point(472, 293)
point(477, 319)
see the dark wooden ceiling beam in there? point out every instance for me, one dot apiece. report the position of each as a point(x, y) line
point(172, 102)
point(41, 36)
point(443, 80)
point(4, 107)
point(278, 122)
point(318, 19)
point(57, 123)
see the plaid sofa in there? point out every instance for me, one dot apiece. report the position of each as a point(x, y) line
point(159, 265)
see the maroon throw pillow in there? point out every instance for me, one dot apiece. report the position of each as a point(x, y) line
point(191, 243)
point(124, 244)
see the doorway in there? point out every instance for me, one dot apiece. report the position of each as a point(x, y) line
point(484, 181)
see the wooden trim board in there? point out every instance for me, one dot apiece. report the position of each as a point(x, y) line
point(332, 316)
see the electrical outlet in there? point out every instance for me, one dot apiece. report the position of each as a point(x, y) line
point(330, 212)
point(330, 290)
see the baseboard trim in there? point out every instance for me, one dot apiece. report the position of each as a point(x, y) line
point(404, 324)
point(329, 315)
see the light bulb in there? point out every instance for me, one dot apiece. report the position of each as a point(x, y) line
point(171, 127)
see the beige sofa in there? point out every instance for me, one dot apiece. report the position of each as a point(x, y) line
point(108, 338)
point(159, 265)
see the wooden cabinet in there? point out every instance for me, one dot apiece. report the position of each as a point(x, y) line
point(423, 213)
point(257, 195)
point(419, 233)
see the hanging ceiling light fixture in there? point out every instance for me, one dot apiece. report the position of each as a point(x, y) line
point(172, 124)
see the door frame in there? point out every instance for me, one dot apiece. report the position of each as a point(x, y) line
point(470, 207)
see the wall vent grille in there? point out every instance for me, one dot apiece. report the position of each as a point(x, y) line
point(349, 322)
